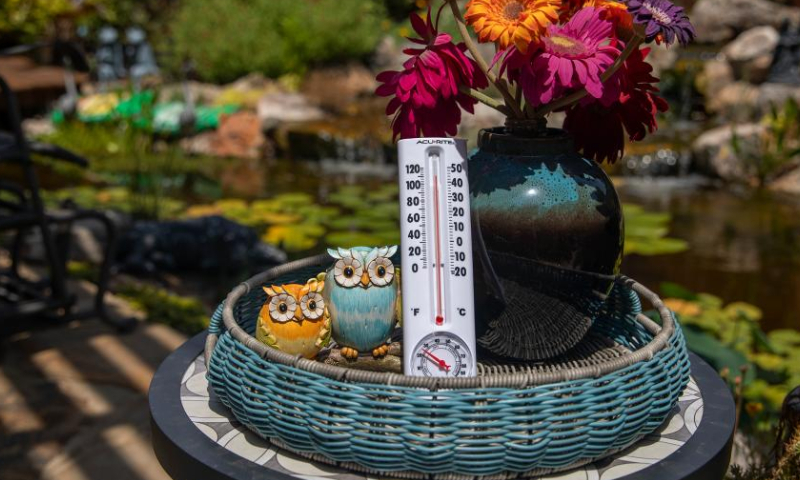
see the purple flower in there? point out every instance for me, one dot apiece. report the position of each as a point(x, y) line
point(663, 21)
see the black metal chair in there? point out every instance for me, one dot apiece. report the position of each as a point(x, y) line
point(22, 211)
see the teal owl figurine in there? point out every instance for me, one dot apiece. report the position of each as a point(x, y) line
point(361, 292)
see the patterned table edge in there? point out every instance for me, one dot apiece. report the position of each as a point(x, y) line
point(210, 416)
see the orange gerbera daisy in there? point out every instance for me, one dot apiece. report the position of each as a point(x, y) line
point(613, 10)
point(511, 22)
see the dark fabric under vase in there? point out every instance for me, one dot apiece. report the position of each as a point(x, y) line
point(548, 238)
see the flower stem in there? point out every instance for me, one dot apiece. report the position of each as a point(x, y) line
point(473, 49)
point(485, 99)
point(575, 97)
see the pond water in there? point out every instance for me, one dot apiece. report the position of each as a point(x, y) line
point(744, 245)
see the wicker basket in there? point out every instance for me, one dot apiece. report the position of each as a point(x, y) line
point(512, 420)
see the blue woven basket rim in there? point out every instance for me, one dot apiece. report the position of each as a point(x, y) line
point(662, 335)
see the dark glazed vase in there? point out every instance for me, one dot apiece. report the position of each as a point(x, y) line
point(548, 238)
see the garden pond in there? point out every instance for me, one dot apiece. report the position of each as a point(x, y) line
point(740, 248)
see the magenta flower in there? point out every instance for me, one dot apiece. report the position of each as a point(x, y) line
point(663, 21)
point(426, 92)
point(570, 56)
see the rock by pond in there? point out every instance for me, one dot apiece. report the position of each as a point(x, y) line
point(239, 136)
point(721, 20)
point(788, 183)
point(751, 53)
point(714, 154)
point(743, 101)
point(210, 244)
point(279, 108)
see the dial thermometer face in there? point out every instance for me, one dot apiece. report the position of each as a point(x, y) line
point(442, 354)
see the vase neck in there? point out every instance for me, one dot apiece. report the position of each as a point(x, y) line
point(550, 141)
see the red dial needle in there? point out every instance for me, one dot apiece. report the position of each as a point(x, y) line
point(439, 361)
point(439, 264)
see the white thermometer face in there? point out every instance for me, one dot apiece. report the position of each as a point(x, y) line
point(436, 251)
point(442, 354)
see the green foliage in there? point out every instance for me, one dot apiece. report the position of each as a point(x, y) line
point(116, 198)
point(184, 314)
point(123, 154)
point(229, 39)
point(777, 147)
point(646, 233)
point(31, 18)
point(731, 339)
point(352, 215)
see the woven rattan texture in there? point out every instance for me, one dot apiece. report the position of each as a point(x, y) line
point(494, 429)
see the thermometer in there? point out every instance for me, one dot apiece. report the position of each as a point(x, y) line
point(436, 250)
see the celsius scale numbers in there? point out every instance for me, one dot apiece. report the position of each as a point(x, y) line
point(436, 249)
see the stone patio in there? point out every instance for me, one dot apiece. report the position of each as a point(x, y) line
point(73, 400)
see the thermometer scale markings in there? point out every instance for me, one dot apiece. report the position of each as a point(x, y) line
point(438, 304)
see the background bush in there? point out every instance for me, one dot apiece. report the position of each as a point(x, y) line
point(229, 39)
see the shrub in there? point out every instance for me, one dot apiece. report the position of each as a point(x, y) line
point(229, 39)
point(30, 18)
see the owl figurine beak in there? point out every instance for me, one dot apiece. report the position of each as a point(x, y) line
point(298, 315)
point(365, 280)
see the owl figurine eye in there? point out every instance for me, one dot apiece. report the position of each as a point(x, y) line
point(348, 271)
point(282, 308)
point(381, 271)
point(312, 305)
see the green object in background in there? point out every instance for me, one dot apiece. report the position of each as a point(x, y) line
point(730, 337)
point(227, 40)
point(166, 117)
point(646, 232)
point(184, 314)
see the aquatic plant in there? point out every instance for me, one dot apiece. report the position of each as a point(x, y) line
point(184, 314)
point(777, 148)
point(646, 233)
point(351, 215)
point(113, 198)
point(730, 337)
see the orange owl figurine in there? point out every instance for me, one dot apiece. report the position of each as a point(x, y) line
point(294, 318)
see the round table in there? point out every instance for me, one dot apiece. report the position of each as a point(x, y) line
point(195, 437)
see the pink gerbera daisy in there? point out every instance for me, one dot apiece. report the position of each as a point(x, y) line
point(570, 56)
point(426, 92)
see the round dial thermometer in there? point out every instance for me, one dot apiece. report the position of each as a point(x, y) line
point(442, 354)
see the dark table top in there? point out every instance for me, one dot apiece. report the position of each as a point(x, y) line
point(195, 437)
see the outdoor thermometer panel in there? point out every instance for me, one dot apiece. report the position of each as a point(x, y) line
point(436, 245)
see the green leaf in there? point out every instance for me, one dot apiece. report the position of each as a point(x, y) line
point(646, 233)
point(719, 355)
point(673, 290)
point(785, 341)
point(351, 239)
point(742, 309)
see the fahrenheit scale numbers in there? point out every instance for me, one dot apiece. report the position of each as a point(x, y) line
point(436, 243)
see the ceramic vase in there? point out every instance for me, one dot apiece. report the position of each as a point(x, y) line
point(548, 239)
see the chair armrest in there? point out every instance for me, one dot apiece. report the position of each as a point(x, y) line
point(58, 153)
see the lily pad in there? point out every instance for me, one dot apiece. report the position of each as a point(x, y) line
point(347, 200)
point(317, 213)
point(349, 222)
point(351, 239)
point(785, 341)
point(275, 218)
point(388, 237)
point(646, 233)
point(202, 211)
point(294, 238)
point(294, 199)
